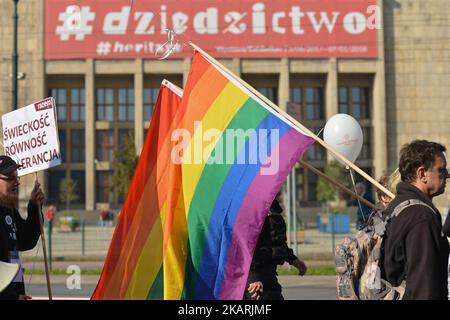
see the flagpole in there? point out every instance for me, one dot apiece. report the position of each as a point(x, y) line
point(44, 249)
point(293, 121)
point(337, 184)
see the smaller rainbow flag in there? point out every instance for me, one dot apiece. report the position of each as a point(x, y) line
point(133, 267)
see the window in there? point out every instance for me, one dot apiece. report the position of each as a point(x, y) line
point(314, 104)
point(77, 104)
point(366, 151)
point(343, 100)
point(126, 104)
point(103, 188)
point(54, 180)
point(124, 136)
point(105, 145)
point(306, 184)
point(309, 102)
point(77, 145)
point(60, 96)
point(315, 152)
point(355, 102)
point(62, 143)
point(105, 104)
point(150, 97)
point(312, 185)
point(70, 103)
point(79, 178)
point(270, 93)
point(294, 106)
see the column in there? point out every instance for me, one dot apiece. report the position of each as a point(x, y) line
point(331, 98)
point(139, 106)
point(236, 66)
point(90, 135)
point(380, 147)
point(283, 84)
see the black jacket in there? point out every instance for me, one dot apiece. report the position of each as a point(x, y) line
point(415, 248)
point(271, 250)
point(28, 232)
point(446, 227)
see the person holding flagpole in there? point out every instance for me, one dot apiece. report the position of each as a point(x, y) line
point(16, 234)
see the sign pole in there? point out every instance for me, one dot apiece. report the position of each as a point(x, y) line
point(44, 249)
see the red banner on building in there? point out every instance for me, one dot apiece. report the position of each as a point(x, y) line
point(116, 29)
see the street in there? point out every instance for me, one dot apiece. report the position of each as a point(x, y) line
point(294, 288)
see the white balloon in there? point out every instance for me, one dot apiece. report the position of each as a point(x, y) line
point(344, 134)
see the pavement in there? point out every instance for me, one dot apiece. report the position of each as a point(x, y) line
point(72, 251)
point(63, 287)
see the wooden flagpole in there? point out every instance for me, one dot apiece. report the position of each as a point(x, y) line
point(293, 121)
point(44, 249)
point(337, 184)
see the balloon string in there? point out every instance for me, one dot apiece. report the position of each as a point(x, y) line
point(354, 187)
point(320, 131)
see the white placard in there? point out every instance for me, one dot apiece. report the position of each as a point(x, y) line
point(30, 136)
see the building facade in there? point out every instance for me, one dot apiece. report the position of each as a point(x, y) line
point(398, 95)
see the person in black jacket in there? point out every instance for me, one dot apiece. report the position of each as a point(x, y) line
point(446, 227)
point(415, 249)
point(271, 250)
point(446, 232)
point(16, 234)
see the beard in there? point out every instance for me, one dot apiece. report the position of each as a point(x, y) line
point(9, 201)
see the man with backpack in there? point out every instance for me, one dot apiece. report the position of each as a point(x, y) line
point(415, 249)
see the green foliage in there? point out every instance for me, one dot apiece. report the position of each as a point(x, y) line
point(68, 191)
point(126, 162)
point(339, 211)
point(312, 271)
point(68, 223)
point(325, 190)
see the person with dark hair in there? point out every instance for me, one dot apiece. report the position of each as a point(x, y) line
point(415, 253)
point(16, 234)
point(271, 250)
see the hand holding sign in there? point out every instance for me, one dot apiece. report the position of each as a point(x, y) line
point(37, 195)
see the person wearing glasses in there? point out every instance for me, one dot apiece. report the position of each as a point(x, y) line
point(16, 233)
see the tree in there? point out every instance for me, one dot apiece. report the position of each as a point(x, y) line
point(126, 162)
point(68, 191)
point(326, 192)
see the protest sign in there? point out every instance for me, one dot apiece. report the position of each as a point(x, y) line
point(30, 136)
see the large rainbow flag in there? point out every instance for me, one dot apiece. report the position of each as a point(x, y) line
point(229, 154)
point(250, 149)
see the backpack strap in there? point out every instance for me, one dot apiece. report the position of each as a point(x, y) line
point(380, 224)
point(408, 203)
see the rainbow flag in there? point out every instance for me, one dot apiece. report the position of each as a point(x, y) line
point(133, 267)
point(236, 154)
